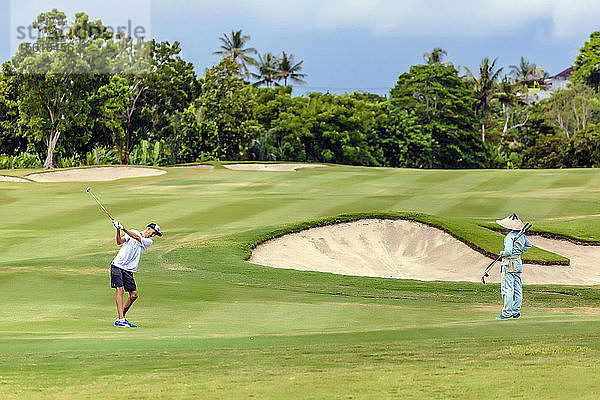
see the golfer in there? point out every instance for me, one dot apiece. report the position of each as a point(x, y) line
point(126, 263)
point(511, 267)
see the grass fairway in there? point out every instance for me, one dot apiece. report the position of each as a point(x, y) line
point(265, 333)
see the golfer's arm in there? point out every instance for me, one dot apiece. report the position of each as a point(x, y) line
point(120, 240)
point(132, 235)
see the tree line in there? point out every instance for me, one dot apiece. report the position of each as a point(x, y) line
point(88, 96)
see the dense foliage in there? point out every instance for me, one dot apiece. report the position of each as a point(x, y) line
point(104, 98)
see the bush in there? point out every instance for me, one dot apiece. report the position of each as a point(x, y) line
point(67, 162)
point(547, 152)
point(106, 156)
point(23, 160)
point(147, 153)
point(584, 148)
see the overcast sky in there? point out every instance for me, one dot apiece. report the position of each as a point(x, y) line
point(348, 44)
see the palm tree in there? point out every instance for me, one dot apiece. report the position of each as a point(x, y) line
point(524, 73)
point(234, 46)
point(435, 57)
point(508, 96)
point(267, 66)
point(288, 70)
point(483, 87)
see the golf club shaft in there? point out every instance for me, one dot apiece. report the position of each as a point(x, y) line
point(97, 201)
point(489, 267)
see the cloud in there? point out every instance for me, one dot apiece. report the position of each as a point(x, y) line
point(464, 18)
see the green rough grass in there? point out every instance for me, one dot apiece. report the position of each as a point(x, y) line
point(270, 333)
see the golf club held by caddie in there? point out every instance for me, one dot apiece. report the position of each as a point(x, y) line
point(489, 267)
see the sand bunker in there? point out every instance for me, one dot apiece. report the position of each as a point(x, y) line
point(411, 250)
point(270, 167)
point(94, 174)
point(198, 166)
point(6, 178)
point(584, 268)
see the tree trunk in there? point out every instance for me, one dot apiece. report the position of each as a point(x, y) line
point(482, 130)
point(52, 140)
point(483, 123)
point(127, 141)
point(507, 112)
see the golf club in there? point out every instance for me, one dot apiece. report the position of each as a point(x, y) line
point(89, 190)
point(489, 267)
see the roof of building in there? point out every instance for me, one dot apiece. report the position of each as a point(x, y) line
point(564, 74)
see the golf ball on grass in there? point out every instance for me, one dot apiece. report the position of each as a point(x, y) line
point(189, 326)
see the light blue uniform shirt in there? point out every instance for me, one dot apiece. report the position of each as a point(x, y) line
point(514, 250)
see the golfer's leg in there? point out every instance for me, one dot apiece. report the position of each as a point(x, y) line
point(518, 298)
point(120, 291)
point(133, 295)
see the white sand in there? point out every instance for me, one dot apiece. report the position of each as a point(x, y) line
point(411, 250)
point(583, 270)
point(95, 174)
point(5, 178)
point(198, 166)
point(270, 167)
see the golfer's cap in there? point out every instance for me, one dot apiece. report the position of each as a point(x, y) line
point(156, 228)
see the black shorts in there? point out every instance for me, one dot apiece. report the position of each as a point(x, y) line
point(119, 277)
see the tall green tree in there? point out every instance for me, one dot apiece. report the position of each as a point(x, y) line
point(320, 128)
point(113, 100)
point(587, 64)
point(584, 148)
point(10, 141)
point(172, 87)
point(398, 139)
point(134, 64)
point(509, 97)
point(288, 68)
point(226, 112)
point(234, 46)
point(484, 87)
point(572, 109)
point(57, 75)
point(443, 106)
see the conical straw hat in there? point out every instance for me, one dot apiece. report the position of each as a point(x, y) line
point(512, 222)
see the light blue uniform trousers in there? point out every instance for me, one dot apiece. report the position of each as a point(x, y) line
point(510, 282)
point(512, 292)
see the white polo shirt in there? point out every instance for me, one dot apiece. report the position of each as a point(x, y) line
point(128, 256)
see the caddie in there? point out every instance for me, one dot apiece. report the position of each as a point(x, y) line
point(512, 266)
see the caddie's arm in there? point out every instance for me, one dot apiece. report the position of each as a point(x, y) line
point(508, 246)
point(132, 235)
point(527, 244)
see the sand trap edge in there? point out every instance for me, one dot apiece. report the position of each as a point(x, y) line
point(94, 174)
point(288, 167)
point(13, 179)
point(577, 275)
point(408, 216)
point(197, 166)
